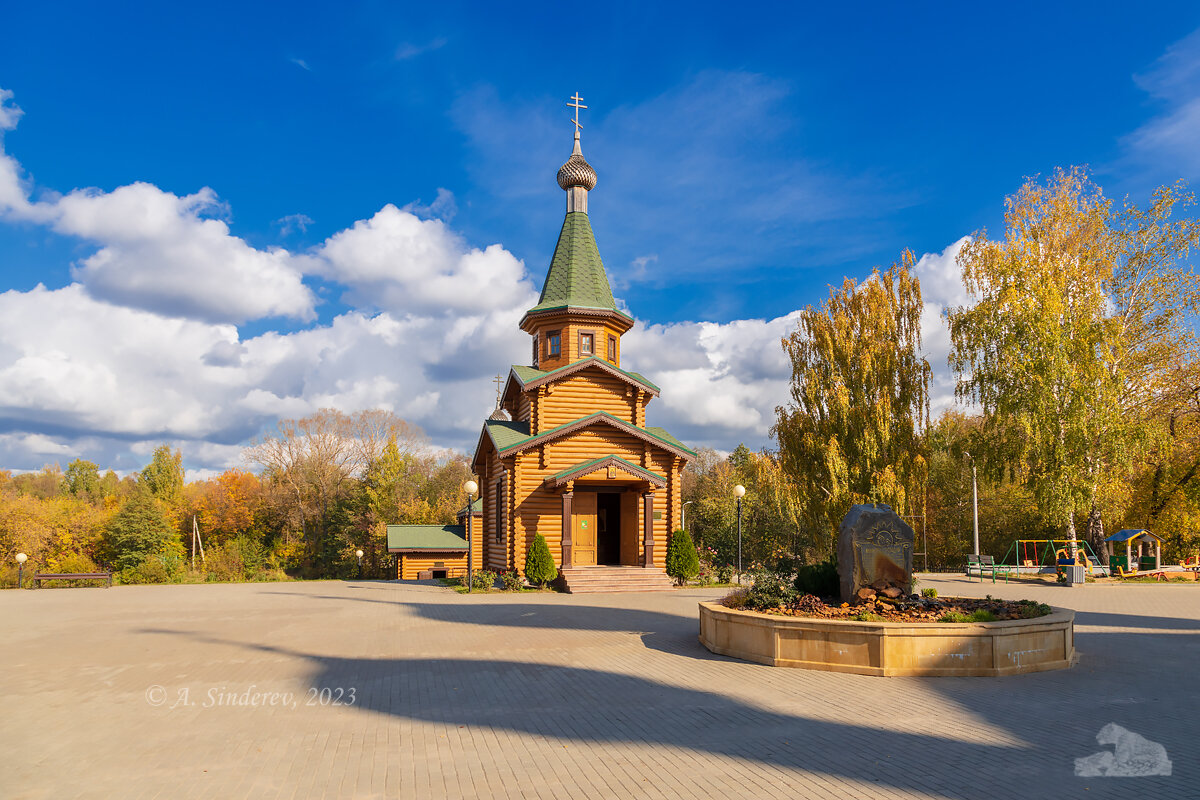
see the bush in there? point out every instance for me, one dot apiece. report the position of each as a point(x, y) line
point(725, 573)
point(511, 581)
point(982, 615)
point(770, 590)
point(483, 580)
point(819, 579)
point(867, 616)
point(539, 564)
point(954, 616)
point(736, 598)
point(931, 593)
point(682, 561)
point(1030, 609)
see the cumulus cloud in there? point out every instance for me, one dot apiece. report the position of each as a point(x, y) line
point(398, 261)
point(145, 347)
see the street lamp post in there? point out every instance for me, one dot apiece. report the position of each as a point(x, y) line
point(359, 553)
point(21, 559)
point(974, 501)
point(738, 491)
point(471, 487)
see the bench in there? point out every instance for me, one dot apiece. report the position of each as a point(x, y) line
point(72, 576)
point(988, 564)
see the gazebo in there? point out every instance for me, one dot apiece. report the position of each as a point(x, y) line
point(1134, 537)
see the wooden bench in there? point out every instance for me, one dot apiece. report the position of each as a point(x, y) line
point(72, 576)
point(988, 564)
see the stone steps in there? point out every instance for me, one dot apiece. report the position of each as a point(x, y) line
point(587, 580)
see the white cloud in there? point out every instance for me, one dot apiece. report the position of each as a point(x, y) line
point(407, 50)
point(1165, 146)
point(397, 261)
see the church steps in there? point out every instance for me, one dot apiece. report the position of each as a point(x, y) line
point(583, 580)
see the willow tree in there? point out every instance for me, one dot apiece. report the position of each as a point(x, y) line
point(1076, 317)
point(859, 399)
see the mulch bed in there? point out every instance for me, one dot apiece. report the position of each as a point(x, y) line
point(910, 609)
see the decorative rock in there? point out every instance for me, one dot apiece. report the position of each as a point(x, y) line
point(865, 593)
point(875, 550)
point(892, 592)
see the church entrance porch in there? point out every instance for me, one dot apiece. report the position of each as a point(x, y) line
point(601, 525)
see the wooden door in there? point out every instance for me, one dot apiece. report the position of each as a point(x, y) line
point(583, 537)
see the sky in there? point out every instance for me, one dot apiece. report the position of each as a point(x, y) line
point(213, 217)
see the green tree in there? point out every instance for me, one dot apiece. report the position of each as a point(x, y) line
point(140, 531)
point(83, 479)
point(539, 563)
point(859, 399)
point(163, 476)
point(682, 561)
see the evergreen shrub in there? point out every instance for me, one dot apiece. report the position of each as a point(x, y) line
point(539, 564)
point(682, 561)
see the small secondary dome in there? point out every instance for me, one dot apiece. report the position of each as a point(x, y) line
point(577, 171)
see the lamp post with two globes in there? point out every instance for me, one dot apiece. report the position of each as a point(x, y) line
point(471, 487)
point(738, 492)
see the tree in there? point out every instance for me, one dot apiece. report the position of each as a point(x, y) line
point(859, 399)
point(163, 476)
point(83, 479)
point(138, 532)
point(539, 563)
point(1077, 316)
point(682, 561)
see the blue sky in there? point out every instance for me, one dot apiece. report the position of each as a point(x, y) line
point(747, 158)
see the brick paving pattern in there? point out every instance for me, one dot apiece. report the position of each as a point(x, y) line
point(553, 696)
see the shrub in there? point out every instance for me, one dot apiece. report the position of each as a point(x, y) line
point(682, 561)
point(483, 580)
point(725, 573)
point(736, 598)
point(954, 616)
point(982, 615)
point(1030, 609)
point(819, 579)
point(770, 590)
point(867, 616)
point(931, 593)
point(539, 564)
point(511, 581)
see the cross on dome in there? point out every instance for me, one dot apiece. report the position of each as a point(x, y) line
point(577, 104)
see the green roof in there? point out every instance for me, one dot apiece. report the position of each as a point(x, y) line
point(476, 508)
point(426, 537)
point(530, 374)
point(576, 277)
point(508, 435)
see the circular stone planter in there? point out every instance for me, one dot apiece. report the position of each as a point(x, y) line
point(1009, 647)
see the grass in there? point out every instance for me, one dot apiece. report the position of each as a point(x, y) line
point(867, 616)
point(982, 615)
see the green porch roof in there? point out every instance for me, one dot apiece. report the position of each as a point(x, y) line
point(590, 466)
point(530, 374)
point(440, 538)
point(576, 277)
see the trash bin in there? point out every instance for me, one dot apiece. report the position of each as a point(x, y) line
point(1075, 575)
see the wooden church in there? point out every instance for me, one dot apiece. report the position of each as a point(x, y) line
point(568, 454)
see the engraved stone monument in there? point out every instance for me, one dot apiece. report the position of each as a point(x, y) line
point(875, 553)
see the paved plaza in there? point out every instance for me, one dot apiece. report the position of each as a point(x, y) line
point(228, 691)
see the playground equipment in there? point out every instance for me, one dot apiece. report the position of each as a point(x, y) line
point(1140, 539)
point(1049, 556)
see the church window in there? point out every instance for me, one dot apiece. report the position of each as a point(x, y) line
point(586, 344)
point(612, 349)
point(553, 344)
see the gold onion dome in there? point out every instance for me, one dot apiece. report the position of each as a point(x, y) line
point(577, 171)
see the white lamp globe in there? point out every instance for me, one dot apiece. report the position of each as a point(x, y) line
point(739, 490)
point(358, 553)
point(471, 487)
point(22, 558)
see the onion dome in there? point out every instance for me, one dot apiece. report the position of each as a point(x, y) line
point(499, 415)
point(577, 171)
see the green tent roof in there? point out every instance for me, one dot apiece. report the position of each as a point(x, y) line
point(427, 537)
point(589, 466)
point(576, 277)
